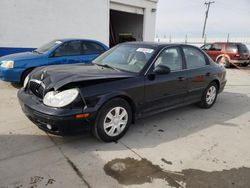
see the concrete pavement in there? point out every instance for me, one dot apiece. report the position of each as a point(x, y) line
point(185, 147)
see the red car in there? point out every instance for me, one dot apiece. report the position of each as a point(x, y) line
point(228, 53)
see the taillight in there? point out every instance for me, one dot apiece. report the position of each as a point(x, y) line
point(237, 56)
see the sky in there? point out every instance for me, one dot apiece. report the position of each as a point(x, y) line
point(180, 17)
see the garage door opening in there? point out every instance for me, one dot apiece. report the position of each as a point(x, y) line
point(125, 26)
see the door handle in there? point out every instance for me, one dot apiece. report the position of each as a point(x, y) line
point(181, 78)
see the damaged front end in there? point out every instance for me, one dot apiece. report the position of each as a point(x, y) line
point(55, 101)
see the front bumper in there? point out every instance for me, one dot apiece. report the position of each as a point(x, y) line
point(222, 86)
point(10, 75)
point(57, 121)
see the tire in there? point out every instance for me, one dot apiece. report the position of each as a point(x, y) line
point(24, 75)
point(224, 61)
point(206, 102)
point(108, 115)
point(244, 64)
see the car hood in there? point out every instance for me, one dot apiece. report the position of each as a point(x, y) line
point(21, 56)
point(57, 76)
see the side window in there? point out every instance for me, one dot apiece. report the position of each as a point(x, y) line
point(231, 48)
point(68, 49)
point(92, 48)
point(171, 58)
point(194, 58)
point(216, 47)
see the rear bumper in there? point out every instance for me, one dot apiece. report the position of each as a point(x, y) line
point(247, 61)
point(222, 86)
point(52, 120)
point(10, 75)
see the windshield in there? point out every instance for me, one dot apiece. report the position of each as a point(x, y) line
point(126, 57)
point(45, 48)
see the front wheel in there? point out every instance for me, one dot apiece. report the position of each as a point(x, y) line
point(209, 96)
point(24, 75)
point(113, 120)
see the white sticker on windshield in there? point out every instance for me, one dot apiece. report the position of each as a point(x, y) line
point(58, 42)
point(145, 50)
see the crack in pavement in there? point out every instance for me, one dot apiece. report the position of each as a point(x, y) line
point(71, 163)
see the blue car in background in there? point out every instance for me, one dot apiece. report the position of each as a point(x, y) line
point(15, 67)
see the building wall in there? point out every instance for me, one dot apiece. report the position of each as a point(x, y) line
point(31, 23)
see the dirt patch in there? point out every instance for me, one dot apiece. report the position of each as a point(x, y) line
point(130, 171)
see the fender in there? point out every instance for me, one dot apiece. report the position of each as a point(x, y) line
point(222, 55)
point(120, 94)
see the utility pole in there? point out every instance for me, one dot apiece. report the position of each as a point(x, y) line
point(206, 16)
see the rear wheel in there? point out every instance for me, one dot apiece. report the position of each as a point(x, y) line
point(244, 64)
point(224, 61)
point(209, 96)
point(113, 120)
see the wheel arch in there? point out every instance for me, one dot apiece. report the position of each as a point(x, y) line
point(123, 96)
point(217, 83)
point(222, 55)
point(25, 71)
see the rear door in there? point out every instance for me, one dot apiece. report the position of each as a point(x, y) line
point(90, 50)
point(198, 72)
point(231, 50)
point(164, 91)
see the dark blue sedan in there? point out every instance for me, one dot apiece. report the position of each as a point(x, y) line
point(14, 68)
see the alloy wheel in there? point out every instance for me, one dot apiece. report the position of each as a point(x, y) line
point(211, 95)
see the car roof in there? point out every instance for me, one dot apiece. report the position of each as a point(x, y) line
point(156, 44)
point(225, 43)
point(71, 39)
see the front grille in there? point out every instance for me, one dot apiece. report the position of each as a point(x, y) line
point(37, 88)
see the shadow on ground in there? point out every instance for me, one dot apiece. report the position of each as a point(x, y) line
point(146, 133)
point(164, 127)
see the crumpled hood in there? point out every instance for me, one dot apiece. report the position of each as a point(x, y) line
point(21, 56)
point(57, 76)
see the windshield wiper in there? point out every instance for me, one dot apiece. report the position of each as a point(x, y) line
point(35, 51)
point(107, 66)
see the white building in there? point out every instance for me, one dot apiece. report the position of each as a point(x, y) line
point(31, 23)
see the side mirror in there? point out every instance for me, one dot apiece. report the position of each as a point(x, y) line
point(161, 69)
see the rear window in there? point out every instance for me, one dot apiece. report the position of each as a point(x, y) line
point(194, 58)
point(92, 48)
point(243, 48)
point(231, 48)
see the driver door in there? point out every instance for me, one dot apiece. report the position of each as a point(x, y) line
point(166, 90)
